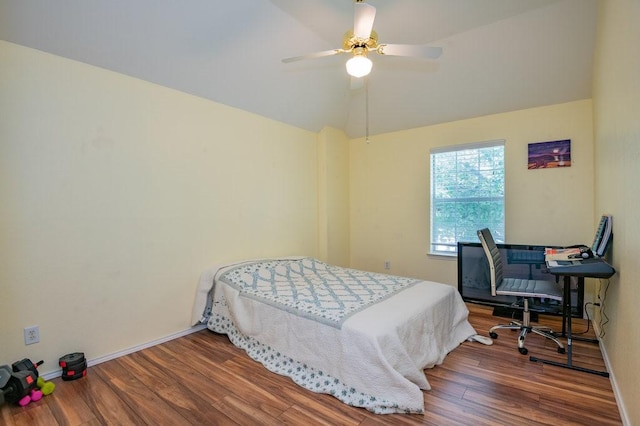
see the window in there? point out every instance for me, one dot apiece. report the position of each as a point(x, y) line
point(467, 194)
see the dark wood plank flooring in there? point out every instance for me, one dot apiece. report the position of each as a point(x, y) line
point(202, 379)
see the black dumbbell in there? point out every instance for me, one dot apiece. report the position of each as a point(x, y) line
point(14, 386)
point(26, 364)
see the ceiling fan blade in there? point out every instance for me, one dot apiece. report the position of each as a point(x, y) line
point(313, 55)
point(416, 50)
point(363, 20)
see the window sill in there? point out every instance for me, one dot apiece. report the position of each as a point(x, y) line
point(452, 256)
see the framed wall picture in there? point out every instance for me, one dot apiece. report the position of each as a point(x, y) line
point(547, 155)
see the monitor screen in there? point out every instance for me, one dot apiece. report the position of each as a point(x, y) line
point(604, 233)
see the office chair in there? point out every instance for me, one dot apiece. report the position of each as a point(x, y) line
point(519, 287)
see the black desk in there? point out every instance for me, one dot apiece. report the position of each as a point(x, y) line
point(588, 268)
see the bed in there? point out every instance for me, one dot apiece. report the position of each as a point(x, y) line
point(362, 337)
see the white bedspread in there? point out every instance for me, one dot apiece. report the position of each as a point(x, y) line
point(374, 360)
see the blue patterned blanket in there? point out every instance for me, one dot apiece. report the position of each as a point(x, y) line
point(312, 289)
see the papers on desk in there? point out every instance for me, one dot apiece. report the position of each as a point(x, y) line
point(556, 263)
point(562, 253)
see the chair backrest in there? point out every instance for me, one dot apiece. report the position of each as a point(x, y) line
point(493, 256)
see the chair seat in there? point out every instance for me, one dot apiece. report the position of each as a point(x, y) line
point(530, 288)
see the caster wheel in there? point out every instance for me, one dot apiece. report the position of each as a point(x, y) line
point(523, 351)
point(561, 350)
point(493, 335)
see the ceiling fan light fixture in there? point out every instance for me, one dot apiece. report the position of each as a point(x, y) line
point(359, 66)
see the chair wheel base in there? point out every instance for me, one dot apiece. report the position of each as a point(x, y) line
point(561, 350)
point(523, 351)
point(493, 335)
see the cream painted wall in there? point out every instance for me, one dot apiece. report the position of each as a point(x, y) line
point(116, 193)
point(333, 196)
point(617, 141)
point(390, 188)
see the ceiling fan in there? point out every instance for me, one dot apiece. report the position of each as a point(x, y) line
point(362, 40)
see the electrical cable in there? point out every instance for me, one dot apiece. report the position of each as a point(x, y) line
point(604, 319)
point(588, 319)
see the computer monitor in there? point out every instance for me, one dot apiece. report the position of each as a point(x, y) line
point(603, 237)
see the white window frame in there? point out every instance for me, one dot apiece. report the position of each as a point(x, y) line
point(448, 245)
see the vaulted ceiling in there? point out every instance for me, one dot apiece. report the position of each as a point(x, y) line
point(498, 55)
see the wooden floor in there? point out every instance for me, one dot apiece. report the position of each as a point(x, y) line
point(202, 379)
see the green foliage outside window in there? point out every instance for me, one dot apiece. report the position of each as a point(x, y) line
point(467, 194)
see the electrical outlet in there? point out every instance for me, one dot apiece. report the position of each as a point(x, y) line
point(31, 335)
point(387, 264)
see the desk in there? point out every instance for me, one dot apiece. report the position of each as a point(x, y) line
point(588, 268)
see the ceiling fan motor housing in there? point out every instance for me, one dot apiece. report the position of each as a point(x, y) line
point(350, 41)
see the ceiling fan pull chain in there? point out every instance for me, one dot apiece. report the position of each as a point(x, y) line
point(366, 109)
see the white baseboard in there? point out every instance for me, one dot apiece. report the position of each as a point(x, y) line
point(57, 373)
point(612, 378)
